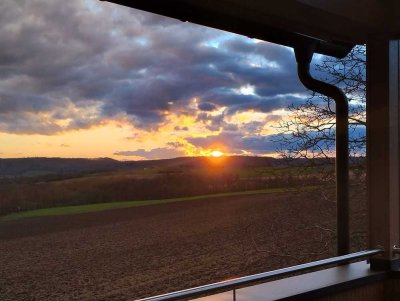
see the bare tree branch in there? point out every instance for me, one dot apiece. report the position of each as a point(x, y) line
point(310, 130)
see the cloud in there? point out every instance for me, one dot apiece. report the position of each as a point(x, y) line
point(234, 142)
point(176, 144)
point(157, 153)
point(181, 128)
point(212, 122)
point(240, 103)
point(207, 106)
point(77, 64)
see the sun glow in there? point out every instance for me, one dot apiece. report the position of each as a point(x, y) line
point(217, 154)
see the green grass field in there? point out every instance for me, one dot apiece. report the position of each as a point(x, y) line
point(68, 210)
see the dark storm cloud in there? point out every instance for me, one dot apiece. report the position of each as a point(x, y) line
point(64, 59)
point(16, 102)
point(207, 106)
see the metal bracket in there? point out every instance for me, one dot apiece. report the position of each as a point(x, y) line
point(396, 249)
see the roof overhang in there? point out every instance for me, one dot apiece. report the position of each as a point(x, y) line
point(333, 26)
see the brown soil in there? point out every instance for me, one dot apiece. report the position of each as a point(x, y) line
point(131, 253)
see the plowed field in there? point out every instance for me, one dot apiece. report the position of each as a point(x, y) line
point(126, 254)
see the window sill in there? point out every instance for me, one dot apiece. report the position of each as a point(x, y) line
point(306, 286)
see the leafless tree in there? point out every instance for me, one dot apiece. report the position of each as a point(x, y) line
point(309, 133)
point(310, 130)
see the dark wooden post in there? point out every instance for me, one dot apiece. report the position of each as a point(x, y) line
point(383, 148)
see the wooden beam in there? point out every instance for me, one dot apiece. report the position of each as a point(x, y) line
point(383, 65)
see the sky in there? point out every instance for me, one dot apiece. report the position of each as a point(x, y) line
point(84, 78)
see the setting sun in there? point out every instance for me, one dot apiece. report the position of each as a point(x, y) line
point(216, 154)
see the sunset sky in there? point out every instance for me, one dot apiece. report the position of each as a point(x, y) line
point(84, 78)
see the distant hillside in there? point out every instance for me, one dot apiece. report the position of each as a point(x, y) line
point(31, 167)
point(33, 183)
point(204, 162)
